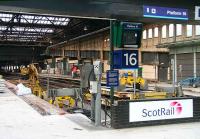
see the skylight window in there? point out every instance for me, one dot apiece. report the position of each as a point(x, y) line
point(2, 28)
point(46, 20)
point(29, 26)
point(5, 17)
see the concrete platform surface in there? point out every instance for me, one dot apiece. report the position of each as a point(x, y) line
point(18, 120)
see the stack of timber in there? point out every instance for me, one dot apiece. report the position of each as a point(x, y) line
point(42, 106)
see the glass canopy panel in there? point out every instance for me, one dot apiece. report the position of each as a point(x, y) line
point(44, 20)
point(28, 27)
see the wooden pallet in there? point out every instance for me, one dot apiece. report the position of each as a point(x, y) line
point(120, 95)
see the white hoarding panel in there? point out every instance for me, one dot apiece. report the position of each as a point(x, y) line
point(160, 110)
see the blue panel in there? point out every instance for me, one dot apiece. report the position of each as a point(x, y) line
point(165, 12)
point(117, 55)
point(125, 59)
point(112, 79)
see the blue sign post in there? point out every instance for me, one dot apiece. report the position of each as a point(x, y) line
point(165, 12)
point(112, 79)
point(125, 59)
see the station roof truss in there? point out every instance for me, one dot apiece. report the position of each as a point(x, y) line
point(43, 30)
point(17, 28)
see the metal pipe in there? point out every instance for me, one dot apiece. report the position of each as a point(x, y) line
point(135, 78)
point(195, 65)
point(91, 33)
point(98, 109)
point(79, 37)
point(175, 68)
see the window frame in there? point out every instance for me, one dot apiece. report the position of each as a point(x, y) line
point(165, 33)
point(188, 36)
point(181, 29)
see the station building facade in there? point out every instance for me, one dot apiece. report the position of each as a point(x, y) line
point(184, 51)
point(160, 44)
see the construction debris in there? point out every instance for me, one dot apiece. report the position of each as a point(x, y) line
point(23, 90)
point(18, 89)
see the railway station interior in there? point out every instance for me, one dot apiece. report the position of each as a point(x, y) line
point(121, 68)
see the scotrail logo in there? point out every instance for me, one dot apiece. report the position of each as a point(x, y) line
point(178, 106)
point(174, 108)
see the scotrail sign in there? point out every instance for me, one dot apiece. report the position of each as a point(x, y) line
point(165, 12)
point(160, 110)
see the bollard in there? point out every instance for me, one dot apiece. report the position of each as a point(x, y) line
point(179, 91)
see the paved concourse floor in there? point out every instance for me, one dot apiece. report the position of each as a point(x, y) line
point(18, 120)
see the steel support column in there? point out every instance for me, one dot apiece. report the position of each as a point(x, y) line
point(175, 68)
point(195, 65)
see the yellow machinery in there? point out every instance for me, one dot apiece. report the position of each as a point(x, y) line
point(63, 101)
point(158, 93)
point(34, 83)
point(128, 79)
point(37, 90)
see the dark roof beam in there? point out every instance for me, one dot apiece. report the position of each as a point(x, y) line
point(28, 32)
point(32, 25)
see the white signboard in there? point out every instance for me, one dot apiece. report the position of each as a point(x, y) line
point(197, 12)
point(159, 110)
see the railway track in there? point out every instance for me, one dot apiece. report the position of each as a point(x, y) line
point(54, 83)
point(59, 83)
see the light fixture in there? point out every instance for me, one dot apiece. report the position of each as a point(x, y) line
point(85, 28)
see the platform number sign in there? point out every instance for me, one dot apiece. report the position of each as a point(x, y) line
point(126, 59)
point(130, 59)
point(165, 12)
point(197, 12)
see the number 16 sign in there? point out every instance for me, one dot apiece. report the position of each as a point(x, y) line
point(125, 59)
